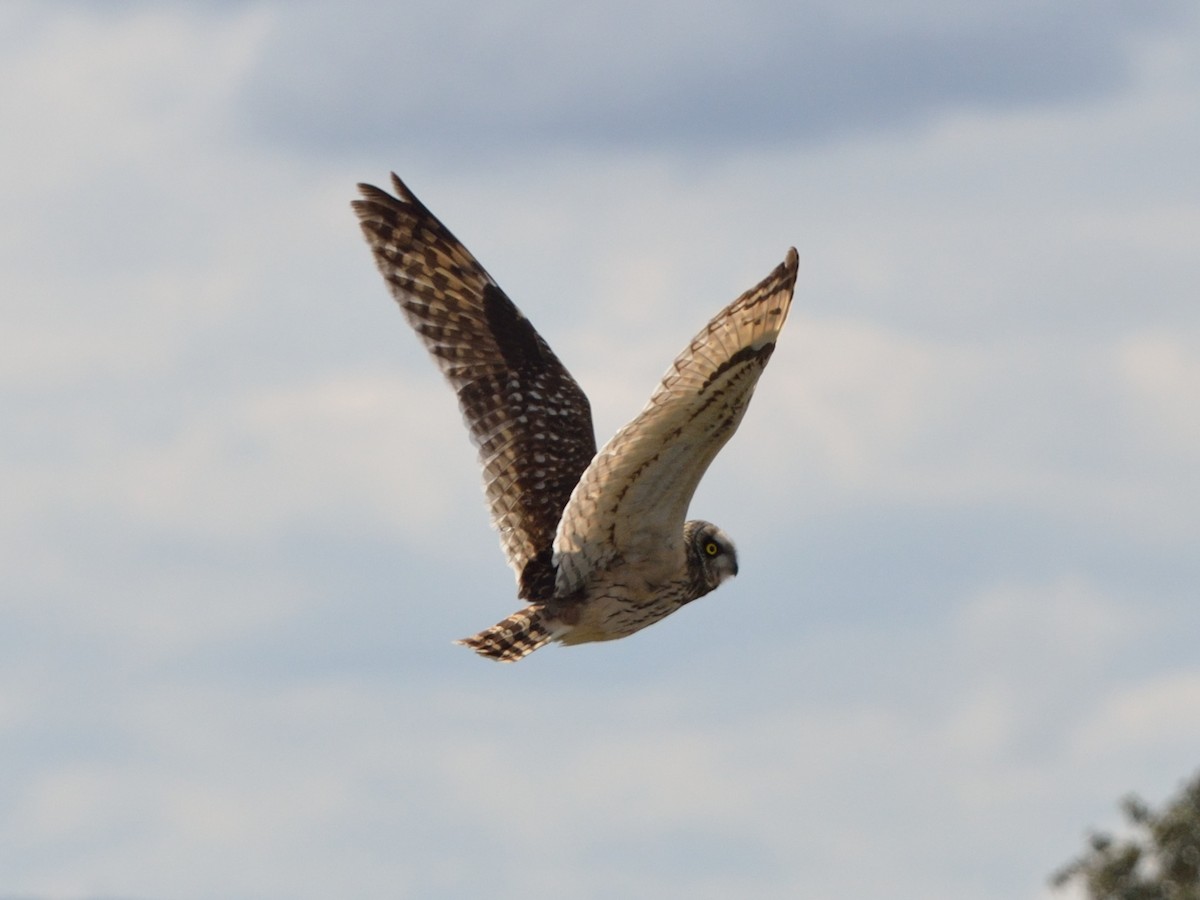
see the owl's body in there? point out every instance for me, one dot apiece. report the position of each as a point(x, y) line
point(614, 602)
point(598, 540)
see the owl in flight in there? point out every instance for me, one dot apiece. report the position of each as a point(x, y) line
point(598, 540)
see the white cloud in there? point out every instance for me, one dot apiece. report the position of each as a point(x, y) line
point(1144, 717)
point(1065, 623)
point(1162, 372)
point(670, 75)
point(127, 87)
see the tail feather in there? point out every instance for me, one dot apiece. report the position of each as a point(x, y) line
point(514, 638)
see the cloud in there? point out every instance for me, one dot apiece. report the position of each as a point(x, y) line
point(1162, 373)
point(475, 80)
point(1145, 716)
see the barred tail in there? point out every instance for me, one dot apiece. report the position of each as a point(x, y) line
point(514, 638)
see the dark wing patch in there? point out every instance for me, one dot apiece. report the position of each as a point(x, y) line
point(526, 414)
point(518, 343)
point(746, 354)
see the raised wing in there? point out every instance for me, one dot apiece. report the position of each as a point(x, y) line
point(632, 500)
point(526, 414)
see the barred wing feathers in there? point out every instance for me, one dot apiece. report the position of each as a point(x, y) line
point(526, 414)
point(633, 498)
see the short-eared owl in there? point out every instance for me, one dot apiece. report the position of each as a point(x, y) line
point(597, 539)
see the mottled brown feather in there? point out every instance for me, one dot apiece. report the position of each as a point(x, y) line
point(526, 414)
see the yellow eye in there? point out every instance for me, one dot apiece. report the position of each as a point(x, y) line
point(711, 548)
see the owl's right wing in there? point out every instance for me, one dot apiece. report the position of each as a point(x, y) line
point(631, 503)
point(530, 420)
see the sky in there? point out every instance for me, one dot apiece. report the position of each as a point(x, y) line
point(242, 523)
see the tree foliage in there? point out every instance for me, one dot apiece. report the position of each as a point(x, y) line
point(1158, 860)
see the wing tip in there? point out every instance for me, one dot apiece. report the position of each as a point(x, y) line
point(370, 196)
point(786, 272)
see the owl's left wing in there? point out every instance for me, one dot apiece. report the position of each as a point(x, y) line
point(528, 417)
point(632, 499)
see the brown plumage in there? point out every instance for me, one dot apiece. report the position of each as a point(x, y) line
point(598, 541)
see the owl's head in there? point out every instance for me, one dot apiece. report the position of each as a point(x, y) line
point(712, 558)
